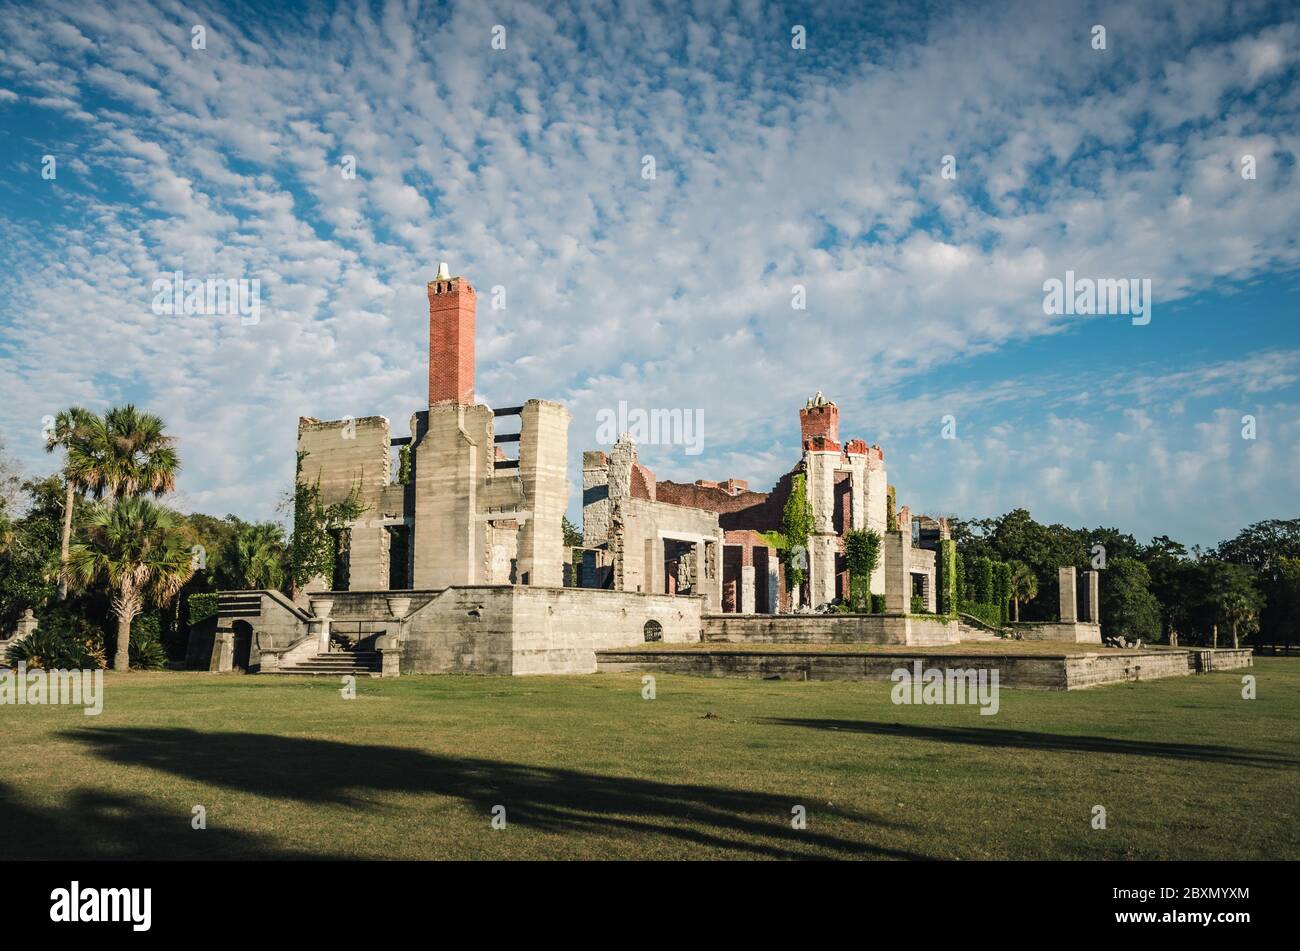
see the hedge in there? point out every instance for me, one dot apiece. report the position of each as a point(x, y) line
point(202, 607)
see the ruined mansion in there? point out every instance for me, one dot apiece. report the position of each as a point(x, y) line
point(458, 562)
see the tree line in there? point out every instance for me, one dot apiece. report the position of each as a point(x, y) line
point(1246, 588)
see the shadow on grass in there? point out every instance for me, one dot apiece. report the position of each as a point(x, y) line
point(1051, 742)
point(544, 798)
point(91, 825)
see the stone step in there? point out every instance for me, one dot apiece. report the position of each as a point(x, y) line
point(365, 663)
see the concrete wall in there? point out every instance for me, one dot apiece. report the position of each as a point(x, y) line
point(642, 527)
point(829, 629)
point(1076, 632)
point(1090, 670)
point(535, 630)
point(543, 461)
point(347, 456)
point(558, 630)
point(1060, 672)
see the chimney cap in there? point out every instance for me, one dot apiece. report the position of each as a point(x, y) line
point(443, 273)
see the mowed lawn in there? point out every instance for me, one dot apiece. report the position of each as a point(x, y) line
point(585, 768)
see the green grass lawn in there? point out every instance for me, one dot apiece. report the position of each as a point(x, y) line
point(586, 768)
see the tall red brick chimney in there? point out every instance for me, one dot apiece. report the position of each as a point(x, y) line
point(451, 339)
point(820, 419)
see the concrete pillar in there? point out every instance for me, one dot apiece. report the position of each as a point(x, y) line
point(858, 490)
point(1069, 597)
point(931, 593)
point(896, 555)
point(821, 568)
point(713, 554)
point(773, 583)
point(746, 589)
point(653, 571)
point(26, 624)
point(543, 469)
point(451, 444)
point(223, 653)
point(875, 495)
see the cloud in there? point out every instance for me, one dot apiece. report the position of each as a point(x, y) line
point(523, 167)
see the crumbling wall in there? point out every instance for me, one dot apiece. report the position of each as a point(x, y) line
point(347, 456)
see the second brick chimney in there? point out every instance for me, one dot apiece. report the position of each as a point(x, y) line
point(451, 339)
point(820, 420)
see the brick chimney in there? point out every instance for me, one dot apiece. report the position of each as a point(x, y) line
point(820, 419)
point(451, 339)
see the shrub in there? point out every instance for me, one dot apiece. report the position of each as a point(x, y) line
point(877, 604)
point(918, 604)
point(202, 607)
point(982, 580)
point(990, 614)
point(946, 567)
point(1002, 589)
point(61, 641)
point(861, 554)
point(146, 647)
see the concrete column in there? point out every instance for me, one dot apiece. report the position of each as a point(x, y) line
point(820, 484)
point(874, 502)
point(1069, 596)
point(858, 491)
point(931, 593)
point(450, 447)
point(896, 556)
point(652, 572)
point(746, 589)
point(821, 569)
point(713, 552)
point(26, 624)
point(543, 467)
point(773, 583)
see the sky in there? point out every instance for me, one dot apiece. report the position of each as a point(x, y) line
point(914, 173)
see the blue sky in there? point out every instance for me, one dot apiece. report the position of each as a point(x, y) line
point(775, 167)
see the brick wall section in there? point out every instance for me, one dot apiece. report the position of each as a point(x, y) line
point(451, 342)
point(712, 499)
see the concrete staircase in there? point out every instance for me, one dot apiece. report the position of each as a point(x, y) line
point(970, 632)
point(335, 664)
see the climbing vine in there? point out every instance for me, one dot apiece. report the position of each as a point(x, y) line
point(861, 555)
point(318, 530)
point(796, 526)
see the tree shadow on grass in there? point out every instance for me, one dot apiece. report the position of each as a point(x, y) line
point(543, 798)
point(92, 825)
point(1051, 742)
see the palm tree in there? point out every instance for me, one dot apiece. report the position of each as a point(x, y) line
point(1024, 585)
point(1240, 613)
point(132, 545)
point(75, 431)
point(139, 458)
point(258, 556)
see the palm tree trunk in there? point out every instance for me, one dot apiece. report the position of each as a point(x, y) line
point(1215, 642)
point(1016, 602)
point(1235, 645)
point(122, 655)
point(67, 542)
